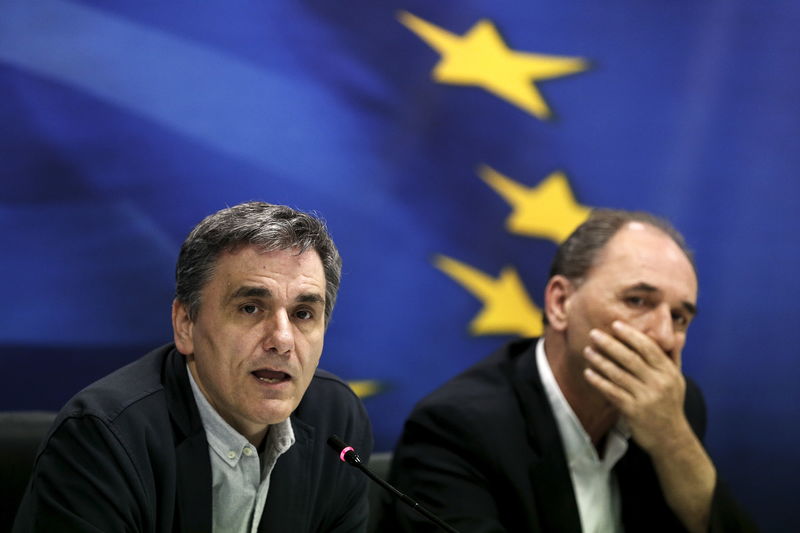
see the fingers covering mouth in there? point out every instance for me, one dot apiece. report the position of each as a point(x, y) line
point(271, 376)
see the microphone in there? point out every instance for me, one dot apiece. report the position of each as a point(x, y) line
point(347, 454)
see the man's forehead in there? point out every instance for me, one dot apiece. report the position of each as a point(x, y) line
point(635, 225)
point(644, 241)
point(257, 250)
point(233, 267)
point(264, 256)
point(640, 253)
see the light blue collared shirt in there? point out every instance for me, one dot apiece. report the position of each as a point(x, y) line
point(240, 478)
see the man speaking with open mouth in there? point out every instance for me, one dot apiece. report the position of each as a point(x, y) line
point(224, 429)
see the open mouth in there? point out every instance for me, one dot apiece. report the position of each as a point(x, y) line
point(271, 376)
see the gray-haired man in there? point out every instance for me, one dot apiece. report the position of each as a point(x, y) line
point(225, 429)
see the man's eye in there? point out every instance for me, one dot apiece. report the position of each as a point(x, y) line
point(249, 309)
point(304, 314)
point(635, 301)
point(680, 319)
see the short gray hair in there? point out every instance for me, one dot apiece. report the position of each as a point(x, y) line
point(265, 226)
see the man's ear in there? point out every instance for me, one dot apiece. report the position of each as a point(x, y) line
point(182, 328)
point(556, 301)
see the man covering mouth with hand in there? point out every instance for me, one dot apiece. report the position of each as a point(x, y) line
point(591, 428)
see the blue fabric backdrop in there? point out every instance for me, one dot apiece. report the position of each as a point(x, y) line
point(450, 145)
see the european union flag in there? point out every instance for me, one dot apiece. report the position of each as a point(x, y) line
point(450, 146)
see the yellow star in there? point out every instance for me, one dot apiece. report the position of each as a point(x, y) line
point(548, 210)
point(366, 388)
point(481, 58)
point(507, 308)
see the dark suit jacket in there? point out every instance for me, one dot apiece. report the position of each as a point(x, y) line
point(129, 453)
point(484, 453)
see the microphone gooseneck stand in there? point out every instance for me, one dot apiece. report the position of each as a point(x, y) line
point(348, 455)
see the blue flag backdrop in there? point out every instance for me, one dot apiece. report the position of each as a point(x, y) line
point(450, 145)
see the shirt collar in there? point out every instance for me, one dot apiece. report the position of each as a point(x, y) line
point(578, 445)
point(228, 443)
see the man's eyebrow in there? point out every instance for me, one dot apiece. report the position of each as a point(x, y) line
point(310, 298)
point(642, 286)
point(249, 291)
point(646, 287)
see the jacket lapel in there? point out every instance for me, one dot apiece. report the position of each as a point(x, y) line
point(287, 509)
point(194, 485)
point(193, 465)
point(553, 494)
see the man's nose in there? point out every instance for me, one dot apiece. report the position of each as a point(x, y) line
point(661, 328)
point(279, 335)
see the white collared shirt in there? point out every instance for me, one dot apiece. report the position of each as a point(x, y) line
point(239, 477)
point(593, 479)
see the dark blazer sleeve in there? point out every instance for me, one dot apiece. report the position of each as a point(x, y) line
point(644, 505)
point(482, 452)
point(436, 463)
point(726, 515)
point(83, 481)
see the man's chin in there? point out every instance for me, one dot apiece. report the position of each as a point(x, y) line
point(274, 411)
